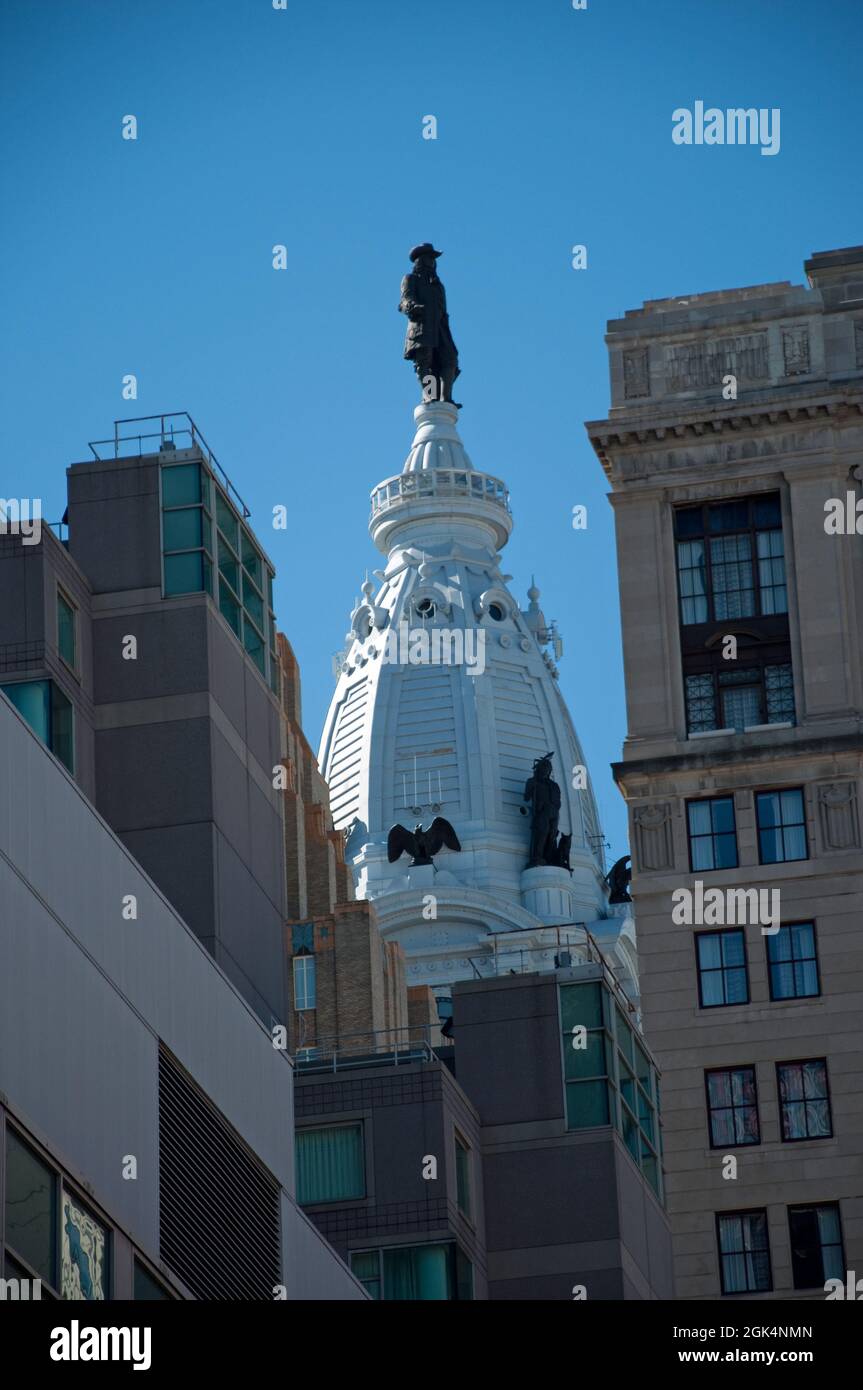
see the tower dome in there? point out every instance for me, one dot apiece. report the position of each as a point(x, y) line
point(446, 699)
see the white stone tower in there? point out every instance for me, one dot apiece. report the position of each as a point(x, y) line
point(446, 697)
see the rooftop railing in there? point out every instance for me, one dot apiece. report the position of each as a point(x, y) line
point(388, 1047)
point(439, 482)
point(176, 425)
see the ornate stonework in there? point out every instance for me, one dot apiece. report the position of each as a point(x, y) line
point(654, 846)
point(840, 820)
point(795, 350)
point(692, 366)
point(636, 373)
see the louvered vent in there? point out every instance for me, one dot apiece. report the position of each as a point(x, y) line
point(219, 1226)
point(343, 774)
point(520, 729)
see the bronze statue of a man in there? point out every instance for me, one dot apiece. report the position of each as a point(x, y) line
point(429, 342)
point(543, 795)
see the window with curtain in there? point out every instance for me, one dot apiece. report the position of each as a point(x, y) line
point(49, 714)
point(816, 1245)
point(415, 1273)
point(793, 962)
point(732, 1107)
point(781, 820)
point(330, 1164)
point(712, 833)
point(804, 1100)
point(744, 1252)
point(723, 977)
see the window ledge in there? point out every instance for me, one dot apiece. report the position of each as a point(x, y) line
point(762, 728)
point(711, 733)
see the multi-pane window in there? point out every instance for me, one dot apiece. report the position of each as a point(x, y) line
point(187, 532)
point(609, 1076)
point(744, 1252)
point(781, 818)
point(330, 1164)
point(462, 1176)
point(730, 560)
point(732, 1107)
point(804, 1100)
point(423, 1273)
point(712, 833)
point(49, 1232)
point(740, 698)
point(304, 982)
point(723, 977)
point(816, 1245)
point(66, 635)
point(793, 962)
point(203, 534)
point(49, 714)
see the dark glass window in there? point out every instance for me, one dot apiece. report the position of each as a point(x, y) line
point(462, 1173)
point(414, 1273)
point(31, 1208)
point(793, 962)
point(723, 977)
point(304, 982)
point(732, 1107)
point(816, 1245)
point(804, 1100)
point(712, 833)
point(66, 644)
point(730, 560)
point(187, 529)
point(330, 1164)
point(740, 697)
point(781, 820)
point(147, 1287)
point(49, 714)
point(744, 1252)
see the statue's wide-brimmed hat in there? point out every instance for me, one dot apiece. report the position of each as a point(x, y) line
point(426, 249)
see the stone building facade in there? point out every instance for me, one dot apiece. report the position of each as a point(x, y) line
point(733, 448)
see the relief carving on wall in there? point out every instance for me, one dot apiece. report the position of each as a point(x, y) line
point(636, 376)
point(654, 845)
point(839, 816)
point(692, 366)
point(795, 350)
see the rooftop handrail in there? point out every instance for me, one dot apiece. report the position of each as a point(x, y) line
point(377, 1047)
point(166, 434)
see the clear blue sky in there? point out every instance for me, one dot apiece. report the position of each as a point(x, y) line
point(259, 126)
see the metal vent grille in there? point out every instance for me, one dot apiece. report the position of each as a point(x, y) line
point(219, 1207)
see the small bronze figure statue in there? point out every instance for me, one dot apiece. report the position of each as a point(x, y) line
point(429, 341)
point(618, 878)
point(422, 844)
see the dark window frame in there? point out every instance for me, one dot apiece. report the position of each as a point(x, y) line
point(751, 530)
point(63, 596)
point(800, 1208)
point(804, 1138)
point(725, 1071)
point(777, 791)
point(709, 800)
point(723, 931)
point(727, 1215)
point(63, 1184)
point(788, 998)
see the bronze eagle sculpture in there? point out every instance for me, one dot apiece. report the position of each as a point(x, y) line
point(422, 844)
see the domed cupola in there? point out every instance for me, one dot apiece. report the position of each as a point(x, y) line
point(447, 711)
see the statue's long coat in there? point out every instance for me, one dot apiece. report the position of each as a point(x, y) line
point(430, 331)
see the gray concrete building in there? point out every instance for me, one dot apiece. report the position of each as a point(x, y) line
point(733, 450)
point(143, 649)
point(146, 1119)
point(513, 1161)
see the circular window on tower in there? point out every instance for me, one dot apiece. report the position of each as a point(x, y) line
point(495, 611)
point(425, 608)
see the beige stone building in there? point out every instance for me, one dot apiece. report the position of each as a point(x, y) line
point(734, 450)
